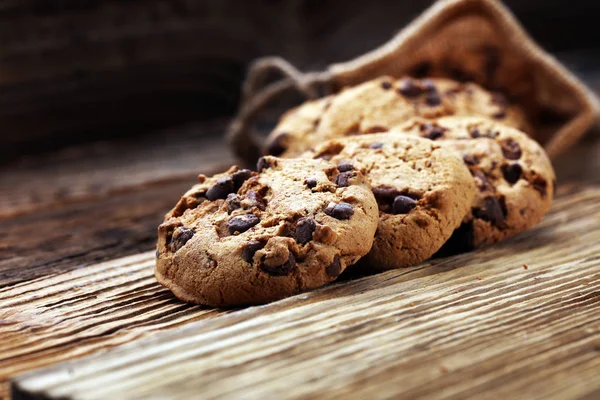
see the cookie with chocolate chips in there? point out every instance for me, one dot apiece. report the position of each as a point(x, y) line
point(245, 237)
point(513, 175)
point(380, 104)
point(423, 191)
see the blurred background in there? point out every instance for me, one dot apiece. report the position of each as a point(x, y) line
point(80, 71)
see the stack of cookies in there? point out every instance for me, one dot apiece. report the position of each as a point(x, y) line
point(387, 174)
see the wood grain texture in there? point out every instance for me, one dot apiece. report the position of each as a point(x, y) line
point(477, 323)
point(81, 234)
point(101, 169)
point(70, 314)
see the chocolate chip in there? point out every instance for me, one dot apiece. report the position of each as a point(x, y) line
point(408, 88)
point(475, 133)
point(278, 145)
point(512, 173)
point(221, 189)
point(233, 202)
point(250, 248)
point(491, 211)
point(341, 210)
point(433, 99)
point(432, 132)
point(343, 179)
point(262, 164)
point(499, 114)
point(376, 145)
point(280, 270)
point(334, 268)
point(384, 192)
point(239, 177)
point(428, 86)
point(470, 159)
point(311, 182)
point(180, 237)
point(403, 204)
point(345, 166)
point(304, 230)
point(511, 149)
point(540, 185)
point(242, 223)
point(386, 85)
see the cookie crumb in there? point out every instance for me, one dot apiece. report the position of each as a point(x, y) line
point(412, 304)
point(443, 369)
point(525, 266)
point(479, 278)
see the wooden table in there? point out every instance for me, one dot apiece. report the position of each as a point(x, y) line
point(77, 228)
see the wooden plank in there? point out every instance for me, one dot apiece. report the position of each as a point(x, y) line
point(70, 314)
point(71, 237)
point(519, 319)
point(101, 169)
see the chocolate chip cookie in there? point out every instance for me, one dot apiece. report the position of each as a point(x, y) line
point(380, 104)
point(301, 122)
point(514, 177)
point(423, 191)
point(245, 237)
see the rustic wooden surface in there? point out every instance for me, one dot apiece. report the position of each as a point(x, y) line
point(520, 319)
point(76, 232)
point(475, 322)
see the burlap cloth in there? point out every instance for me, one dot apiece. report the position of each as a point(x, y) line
point(466, 40)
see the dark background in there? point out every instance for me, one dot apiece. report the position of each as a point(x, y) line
point(74, 71)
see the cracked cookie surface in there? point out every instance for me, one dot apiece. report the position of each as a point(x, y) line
point(245, 237)
point(423, 191)
point(380, 104)
point(514, 178)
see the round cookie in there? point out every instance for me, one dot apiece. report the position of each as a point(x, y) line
point(377, 105)
point(245, 237)
point(423, 191)
point(301, 122)
point(514, 177)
